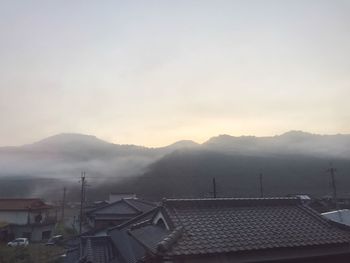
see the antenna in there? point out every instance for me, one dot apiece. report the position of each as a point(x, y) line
point(214, 188)
point(63, 203)
point(82, 199)
point(332, 171)
point(261, 185)
point(214, 192)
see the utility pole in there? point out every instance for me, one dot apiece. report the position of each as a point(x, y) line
point(332, 171)
point(63, 204)
point(82, 198)
point(214, 187)
point(261, 185)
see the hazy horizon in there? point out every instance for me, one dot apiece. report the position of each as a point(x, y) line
point(183, 139)
point(156, 72)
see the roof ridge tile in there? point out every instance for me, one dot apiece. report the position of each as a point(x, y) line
point(141, 224)
point(168, 241)
point(267, 201)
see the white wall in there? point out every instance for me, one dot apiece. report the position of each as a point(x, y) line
point(20, 217)
point(34, 214)
point(36, 231)
point(14, 217)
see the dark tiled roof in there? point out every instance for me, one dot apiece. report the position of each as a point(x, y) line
point(123, 207)
point(210, 226)
point(111, 217)
point(140, 204)
point(22, 204)
point(93, 249)
point(129, 250)
point(147, 215)
point(151, 235)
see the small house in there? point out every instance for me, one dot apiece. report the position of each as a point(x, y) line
point(241, 230)
point(118, 212)
point(30, 218)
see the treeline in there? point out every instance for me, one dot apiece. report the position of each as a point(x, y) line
point(190, 173)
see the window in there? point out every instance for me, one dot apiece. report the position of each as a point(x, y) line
point(45, 235)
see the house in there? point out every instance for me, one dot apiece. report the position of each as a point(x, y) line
point(30, 218)
point(93, 249)
point(129, 250)
point(241, 230)
point(108, 245)
point(118, 212)
point(5, 232)
point(114, 197)
point(341, 216)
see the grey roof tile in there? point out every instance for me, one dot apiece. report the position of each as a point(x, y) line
point(150, 235)
point(97, 250)
point(133, 206)
point(229, 225)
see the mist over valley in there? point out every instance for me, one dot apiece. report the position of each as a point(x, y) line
point(292, 163)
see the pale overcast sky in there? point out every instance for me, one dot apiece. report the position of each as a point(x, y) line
point(154, 72)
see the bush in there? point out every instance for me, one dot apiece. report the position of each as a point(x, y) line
point(15, 255)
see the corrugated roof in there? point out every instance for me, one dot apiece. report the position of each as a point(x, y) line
point(22, 204)
point(231, 225)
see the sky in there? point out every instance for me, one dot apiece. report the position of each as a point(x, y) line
point(155, 72)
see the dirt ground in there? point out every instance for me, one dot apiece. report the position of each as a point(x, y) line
point(33, 253)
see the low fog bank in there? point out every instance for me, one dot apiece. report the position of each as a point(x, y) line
point(29, 187)
point(52, 189)
point(44, 167)
point(292, 163)
point(189, 174)
point(65, 156)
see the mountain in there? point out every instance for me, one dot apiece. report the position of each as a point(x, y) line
point(80, 144)
point(189, 174)
point(66, 155)
point(180, 145)
point(293, 142)
point(294, 162)
point(68, 142)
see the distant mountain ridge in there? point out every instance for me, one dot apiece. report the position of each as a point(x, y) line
point(294, 162)
point(292, 142)
point(66, 154)
point(64, 139)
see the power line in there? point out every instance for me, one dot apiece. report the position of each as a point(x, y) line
point(214, 187)
point(63, 203)
point(261, 185)
point(214, 192)
point(332, 171)
point(82, 198)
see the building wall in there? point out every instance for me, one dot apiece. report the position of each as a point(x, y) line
point(14, 217)
point(36, 232)
point(20, 217)
point(34, 214)
point(5, 234)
